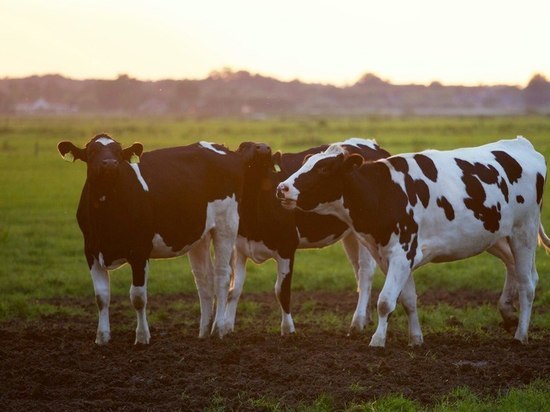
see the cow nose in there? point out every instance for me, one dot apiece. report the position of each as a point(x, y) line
point(109, 163)
point(281, 190)
point(263, 148)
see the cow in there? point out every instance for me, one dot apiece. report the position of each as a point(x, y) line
point(268, 231)
point(434, 206)
point(164, 203)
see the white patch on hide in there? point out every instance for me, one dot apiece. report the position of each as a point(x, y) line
point(358, 141)
point(140, 178)
point(209, 146)
point(105, 141)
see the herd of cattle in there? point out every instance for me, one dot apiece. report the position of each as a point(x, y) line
point(398, 212)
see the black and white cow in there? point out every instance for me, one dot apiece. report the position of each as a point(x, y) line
point(268, 231)
point(434, 206)
point(159, 204)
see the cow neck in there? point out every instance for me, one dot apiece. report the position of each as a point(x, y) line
point(119, 193)
point(363, 190)
point(257, 191)
point(100, 192)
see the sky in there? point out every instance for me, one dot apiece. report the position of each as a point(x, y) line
point(454, 42)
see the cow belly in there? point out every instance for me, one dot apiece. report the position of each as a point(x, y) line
point(257, 251)
point(305, 243)
point(440, 255)
point(115, 264)
point(162, 251)
point(317, 230)
point(215, 215)
point(447, 249)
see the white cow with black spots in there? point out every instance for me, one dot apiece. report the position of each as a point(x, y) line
point(434, 206)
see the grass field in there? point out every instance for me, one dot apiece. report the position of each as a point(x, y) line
point(41, 245)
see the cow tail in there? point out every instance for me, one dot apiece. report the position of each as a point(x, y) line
point(544, 240)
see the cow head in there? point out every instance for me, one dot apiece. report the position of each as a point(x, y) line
point(319, 180)
point(103, 156)
point(255, 155)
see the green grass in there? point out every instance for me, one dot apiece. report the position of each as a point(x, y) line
point(533, 397)
point(41, 246)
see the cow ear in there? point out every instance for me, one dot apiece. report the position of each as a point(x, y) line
point(276, 160)
point(70, 152)
point(131, 154)
point(351, 162)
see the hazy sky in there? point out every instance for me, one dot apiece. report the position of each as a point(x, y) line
point(466, 41)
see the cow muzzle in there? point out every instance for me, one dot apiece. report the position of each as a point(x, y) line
point(283, 194)
point(108, 168)
point(108, 164)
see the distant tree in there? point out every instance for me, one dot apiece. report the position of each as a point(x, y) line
point(537, 94)
point(370, 79)
point(223, 74)
point(185, 95)
point(227, 73)
point(6, 104)
point(122, 94)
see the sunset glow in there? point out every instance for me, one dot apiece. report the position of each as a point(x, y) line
point(468, 42)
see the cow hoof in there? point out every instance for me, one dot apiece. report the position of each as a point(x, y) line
point(377, 342)
point(521, 339)
point(287, 326)
point(288, 331)
point(370, 320)
point(510, 324)
point(102, 338)
point(227, 330)
point(358, 324)
point(416, 340)
point(355, 331)
point(229, 326)
point(218, 331)
point(142, 338)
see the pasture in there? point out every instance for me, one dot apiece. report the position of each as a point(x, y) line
point(48, 315)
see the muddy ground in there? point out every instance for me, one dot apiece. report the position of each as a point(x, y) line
point(53, 364)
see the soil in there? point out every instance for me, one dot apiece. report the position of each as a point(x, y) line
point(53, 364)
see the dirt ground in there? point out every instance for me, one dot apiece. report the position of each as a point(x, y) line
point(53, 364)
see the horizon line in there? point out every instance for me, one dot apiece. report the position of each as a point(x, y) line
point(230, 71)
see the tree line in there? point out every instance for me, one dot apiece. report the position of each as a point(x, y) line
point(240, 93)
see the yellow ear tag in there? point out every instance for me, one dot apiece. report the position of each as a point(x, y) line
point(134, 158)
point(69, 157)
point(276, 168)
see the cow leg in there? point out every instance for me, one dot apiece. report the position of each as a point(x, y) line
point(224, 242)
point(396, 278)
point(523, 244)
point(235, 291)
point(203, 272)
point(534, 273)
point(408, 299)
point(363, 266)
point(502, 250)
point(102, 289)
point(138, 296)
point(282, 291)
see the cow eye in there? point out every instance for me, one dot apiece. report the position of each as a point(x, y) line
point(323, 170)
point(93, 151)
